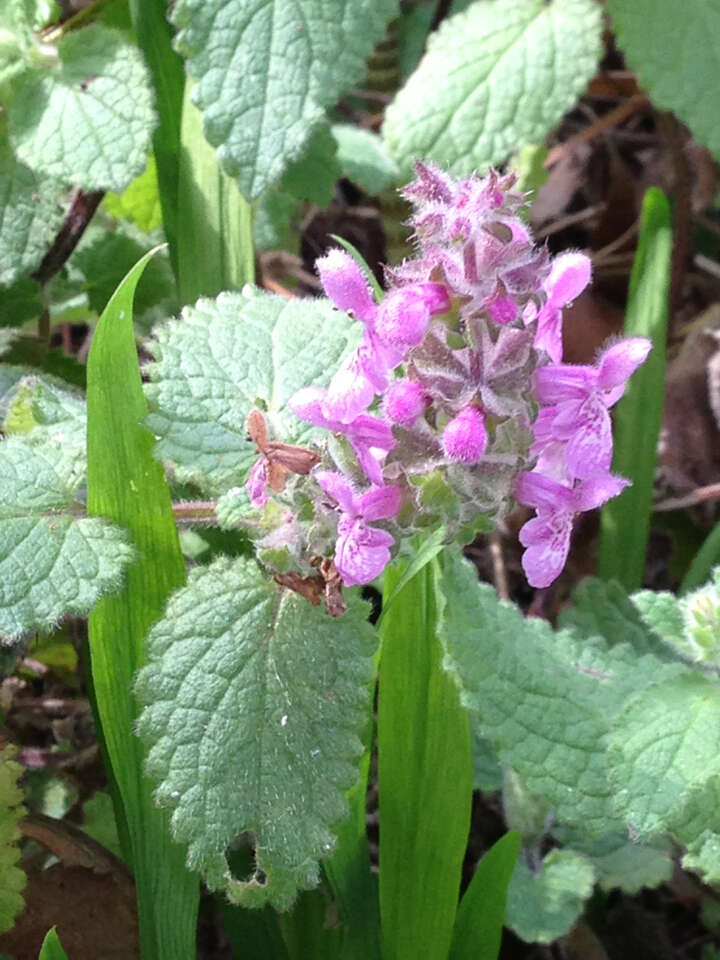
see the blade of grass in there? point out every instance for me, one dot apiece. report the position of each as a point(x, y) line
point(215, 222)
point(126, 485)
point(348, 870)
point(425, 777)
point(479, 922)
point(707, 557)
point(625, 523)
point(51, 948)
point(154, 36)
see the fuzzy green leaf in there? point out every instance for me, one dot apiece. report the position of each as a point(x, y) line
point(543, 906)
point(140, 202)
point(254, 705)
point(267, 70)
point(11, 812)
point(546, 700)
point(88, 120)
point(312, 177)
point(363, 158)
point(664, 745)
point(496, 76)
point(690, 623)
point(673, 49)
point(30, 214)
point(602, 608)
point(620, 863)
point(225, 356)
point(51, 562)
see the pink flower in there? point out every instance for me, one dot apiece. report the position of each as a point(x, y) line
point(569, 274)
point(361, 552)
point(256, 484)
point(370, 437)
point(547, 536)
point(404, 315)
point(465, 437)
point(399, 323)
point(404, 402)
point(578, 399)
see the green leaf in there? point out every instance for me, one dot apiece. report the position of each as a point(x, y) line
point(154, 37)
point(664, 745)
point(496, 76)
point(88, 121)
point(11, 812)
point(273, 226)
point(51, 562)
point(696, 825)
point(480, 916)
point(127, 486)
point(424, 779)
point(602, 608)
point(312, 177)
point(621, 863)
point(6, 339)
point(99, 821)
point(140, 201)
point(545, 700)
point(544, 905)
point(214, 221)
point(106, 257)
point(267, 70)
point(707, 557)
point(363, 158)
point(51, 947)
point(30, 214)
point(253, 705)
point(672, 49)
point(223, 357)
point(50, 413)
point(625, 521)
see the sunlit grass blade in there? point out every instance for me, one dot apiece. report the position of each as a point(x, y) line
point(479, 923)
point(154, 36)
point(626, 520)
point(215, 222)
point(51, 947)
point(707, 557)
point(425, 777)
point(126, 485)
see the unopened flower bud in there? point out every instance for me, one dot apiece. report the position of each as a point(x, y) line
point(465, 437)
point(404, 315)
point(404, 402)
point(345, 284)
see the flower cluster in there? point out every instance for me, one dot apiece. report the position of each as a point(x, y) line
point(455, 404)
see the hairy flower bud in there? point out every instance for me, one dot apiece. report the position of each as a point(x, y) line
point(465, 437)
point(404, 402)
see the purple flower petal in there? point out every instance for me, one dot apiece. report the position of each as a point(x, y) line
point(337, 486)
point(619, 362)
point(380, 503)
point(256, 485)
point(361, 553)
point(345, 284)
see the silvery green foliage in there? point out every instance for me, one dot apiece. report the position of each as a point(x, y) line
point(53, 559)
point(673, 48)
point(498, 75)
point(691, 623)
point(30, 213)
point(364, 159)
point(88, 118)
point(605, 719)
point(254, 703)
point(544, 903)
point(267, 70)
point(222, 358)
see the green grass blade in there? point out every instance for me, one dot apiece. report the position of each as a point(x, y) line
point(707, 557)
point(425, 777)
point(626, 520)
point(215, 222)
point(479, 923)
point(126, 485)
point(348, 871)
point(154, 36)
point(51, 948)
